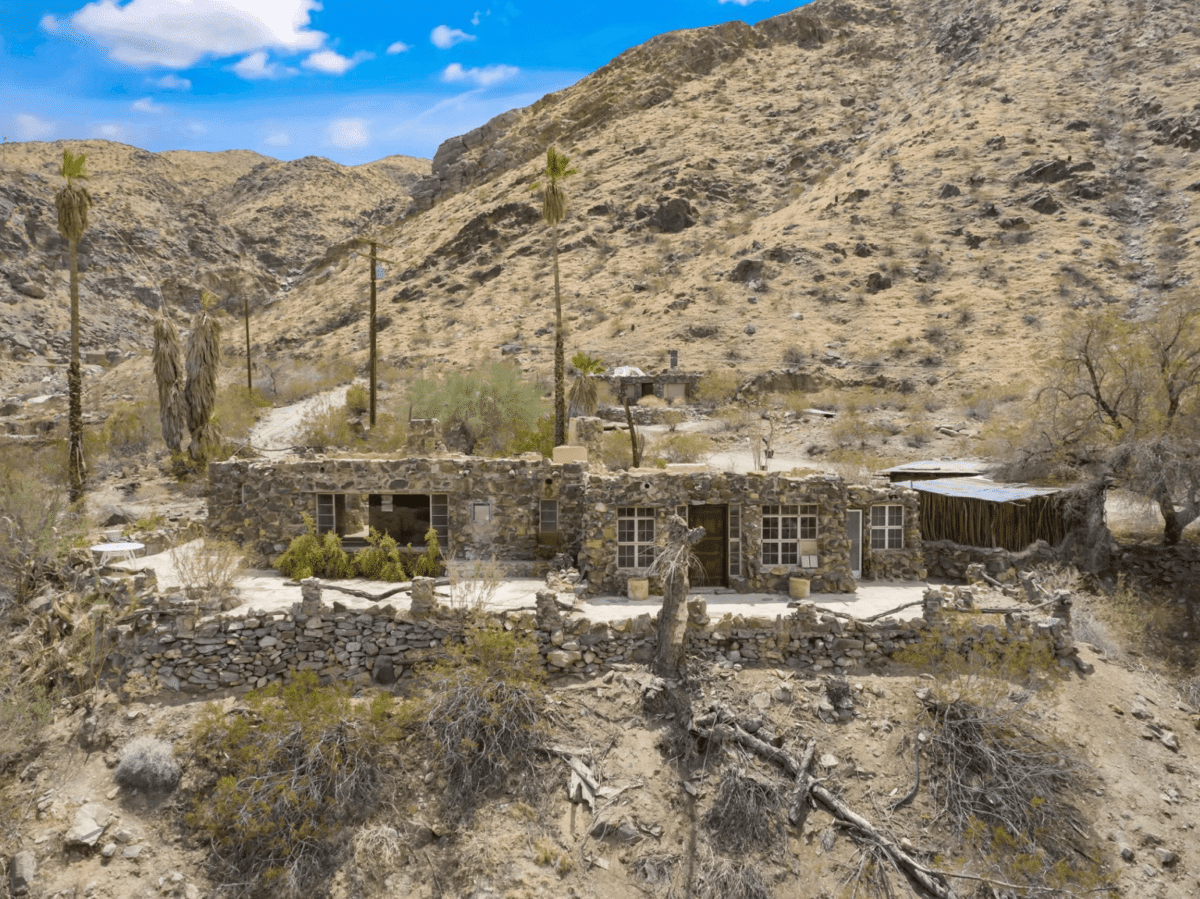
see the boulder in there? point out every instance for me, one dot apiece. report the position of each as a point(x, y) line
point(747, 270)
point(87, 826)
point(673, 215)
point(22, 869)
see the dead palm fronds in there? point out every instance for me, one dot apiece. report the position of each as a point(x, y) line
point(169, 376)
point(200, 391)
point(72, 203)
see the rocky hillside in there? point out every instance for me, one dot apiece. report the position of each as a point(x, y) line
point(919, 188)
point(166, 225)
point(914, 189)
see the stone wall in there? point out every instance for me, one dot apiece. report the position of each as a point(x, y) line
point(261, 505)
point(165, 645)
point(751, 491)
point(1172, 567)
point(949, 560)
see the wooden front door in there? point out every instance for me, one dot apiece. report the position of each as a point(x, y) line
point(712, 551)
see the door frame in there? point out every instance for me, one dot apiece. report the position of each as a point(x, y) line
point(724, 578)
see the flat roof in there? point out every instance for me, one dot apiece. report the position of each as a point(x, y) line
point(940, 466)
point(980, 488)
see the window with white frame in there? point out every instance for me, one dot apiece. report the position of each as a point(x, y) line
point(635, 537)
point(326, 513)
point(887, 527)
point(789, 535)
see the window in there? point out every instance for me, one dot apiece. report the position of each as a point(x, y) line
point(735, 541)
point(548, 521)
point(787, 531)
point(635, 537)
point(439, 519)
point(331, 508)
point(887, 527)
point(481, 513)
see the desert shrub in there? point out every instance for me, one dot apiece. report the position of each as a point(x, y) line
point(719, 878)
point(208, 569)
point(130, 428)
point(294, 777)
point(237, 411)
point(677, 447)
point(474, 582)
point(37, 526)
point(537, 438)
point(486, 717)
point(615, 450)
point(149, 765)
point(314, 555)
point(489, 405)
point(330, 426)
point(381, 551)
point(918, 436)
point(747, 814)
point(358, 399)
point(25, 709)
point(717, 386)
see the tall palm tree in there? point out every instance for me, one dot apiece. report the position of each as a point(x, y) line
point(554, 210)
point(584, 398)
point(72, 203)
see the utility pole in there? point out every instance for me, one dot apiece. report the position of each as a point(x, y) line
point(374, 260)
point(246, 314)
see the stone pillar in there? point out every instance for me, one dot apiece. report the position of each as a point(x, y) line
point(423, 600)
point(548, 615)
point(933, 606)
point(310, 596)
point(1062, 607)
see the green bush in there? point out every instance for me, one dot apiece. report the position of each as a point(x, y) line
point(315, 555)
point(539, 438)
point(675, 448)
point(237, 411)
point(358, 399)
point(293, 779)
point(490, 405)
point(717, 386)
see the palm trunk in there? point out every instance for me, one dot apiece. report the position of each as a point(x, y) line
point(76, 468)
point(560, 364)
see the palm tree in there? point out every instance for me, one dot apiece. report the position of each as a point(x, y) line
point(584, 397)
point(72, 203)
point(554, 210)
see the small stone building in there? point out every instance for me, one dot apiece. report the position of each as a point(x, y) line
point(760, 528)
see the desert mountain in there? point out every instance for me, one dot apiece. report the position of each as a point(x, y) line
point(915, 188)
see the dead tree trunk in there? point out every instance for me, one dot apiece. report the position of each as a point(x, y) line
point(672, 564)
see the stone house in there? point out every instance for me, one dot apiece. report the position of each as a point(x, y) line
point(761, 528)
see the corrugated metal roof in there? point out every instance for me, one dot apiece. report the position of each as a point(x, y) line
point(938, 465)
point(980, 488)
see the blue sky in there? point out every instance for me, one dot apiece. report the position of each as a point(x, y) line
point(353, 81)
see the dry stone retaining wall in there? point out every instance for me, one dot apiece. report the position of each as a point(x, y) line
point(167, 646)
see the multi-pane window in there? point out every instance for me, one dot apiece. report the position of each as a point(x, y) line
point(887, 527)
point(786, 532)
point(635, 537)
point(548, 517)
point(326, 513)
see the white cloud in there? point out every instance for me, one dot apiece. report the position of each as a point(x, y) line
point(49, 24)
point(278, 138)
point(482, 77)
point(256, 68)
point(444, 38)
point(173, 83)
point(109, 132)
point(349, 133)
point(179, 34)
point(738, 2)
point(332, 63)
point(147, 104)
point(196, 129)
point(398, 47)
point(30, 127)
point(475, 18)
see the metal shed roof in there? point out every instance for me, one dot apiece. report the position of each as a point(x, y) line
point(980, 488)
point(939, 465)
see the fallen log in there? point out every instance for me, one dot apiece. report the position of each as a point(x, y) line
point(724, 727)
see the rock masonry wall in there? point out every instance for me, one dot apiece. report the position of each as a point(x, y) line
point(261, 505)
point(608, 493)
point(1171, 567)
point(168, 647)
